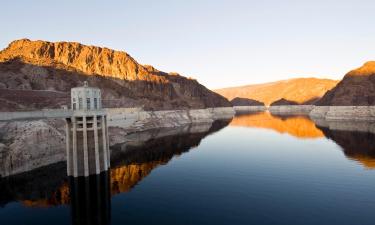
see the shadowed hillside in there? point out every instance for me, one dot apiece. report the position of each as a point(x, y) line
point(300, 90)
point(245, 102)
point(356, 88)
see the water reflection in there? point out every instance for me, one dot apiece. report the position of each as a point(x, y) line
point(297, 126)
point(356, 145)
point(251, 176)
point(131, 161)
point(90, 199)
point(356, 139)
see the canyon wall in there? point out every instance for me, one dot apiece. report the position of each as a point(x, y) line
point(40, 74)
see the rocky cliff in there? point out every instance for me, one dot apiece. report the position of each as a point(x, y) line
point(357, 88)
point(300, 90)
point(39, 74)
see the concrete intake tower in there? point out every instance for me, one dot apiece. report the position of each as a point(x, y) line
point(87, 143)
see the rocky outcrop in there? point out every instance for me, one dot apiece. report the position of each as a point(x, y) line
point(245, 102)
point(352, 99)
point(30, 144)
point(301, 90)
point(357, 88)
point(39, 74)
point(283, 101)
point(288, 107)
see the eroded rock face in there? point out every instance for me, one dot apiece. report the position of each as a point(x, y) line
point(357, 88)
point(39, 69)
point(246, 102)
point(30, 144)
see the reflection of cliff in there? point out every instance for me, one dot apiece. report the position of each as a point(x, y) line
point(298, 126)
point(124, 178)
point(131, 162)
point(41, 187)
point(358, 146)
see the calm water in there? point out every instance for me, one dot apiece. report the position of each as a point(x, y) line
point(259, 169)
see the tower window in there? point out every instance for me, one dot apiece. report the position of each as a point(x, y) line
point(79, 103)
point(95, 103)
point(88, 103)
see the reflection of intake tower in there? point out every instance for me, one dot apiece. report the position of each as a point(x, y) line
point(87, 144)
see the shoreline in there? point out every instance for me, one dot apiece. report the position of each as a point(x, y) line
point(329, 113)
point(31, 143)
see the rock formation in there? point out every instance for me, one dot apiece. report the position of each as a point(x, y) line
point(245, 102)
point(30, 144)
point(301, 90)
point(283, 101)
point(39, 74)
point(357, 88)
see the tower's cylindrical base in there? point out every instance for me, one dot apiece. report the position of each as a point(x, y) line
point(87, 145)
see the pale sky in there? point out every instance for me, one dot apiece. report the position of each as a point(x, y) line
point(221, 43)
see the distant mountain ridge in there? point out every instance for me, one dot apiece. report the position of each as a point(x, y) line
point(300, 90)
point(27, 66)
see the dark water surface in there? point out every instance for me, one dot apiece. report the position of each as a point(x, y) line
point(261, 169)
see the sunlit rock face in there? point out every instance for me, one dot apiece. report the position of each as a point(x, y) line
point(297, 126)
point(357, 88)
point(300, 90)
point(52, 68)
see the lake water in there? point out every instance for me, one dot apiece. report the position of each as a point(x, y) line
point(255, 169)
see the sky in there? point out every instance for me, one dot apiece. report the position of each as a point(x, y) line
point(220, 43)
